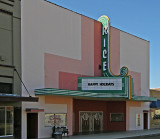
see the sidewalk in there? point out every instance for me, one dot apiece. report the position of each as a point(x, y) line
point(116, 135)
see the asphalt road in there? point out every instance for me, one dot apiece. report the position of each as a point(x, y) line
point(147, 137)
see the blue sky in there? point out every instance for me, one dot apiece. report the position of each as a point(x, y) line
point(138, 17)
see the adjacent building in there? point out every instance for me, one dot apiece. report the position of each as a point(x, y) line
point(155, 108)
point(10, 69)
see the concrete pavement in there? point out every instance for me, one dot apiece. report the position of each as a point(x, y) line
point(116, 135)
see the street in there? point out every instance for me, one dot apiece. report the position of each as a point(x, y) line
point(147, 137)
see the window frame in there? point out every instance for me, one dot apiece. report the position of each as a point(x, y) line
point(117, 114)
point(56, 114)
point(6, 121)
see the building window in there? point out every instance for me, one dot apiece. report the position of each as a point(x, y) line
point(6, 121)
point(138, 120)
point(116, 117)
point(6, 88)
point(55, 119)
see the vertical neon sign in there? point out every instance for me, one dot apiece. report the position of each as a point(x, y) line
point(105, 45)
point(106, 71)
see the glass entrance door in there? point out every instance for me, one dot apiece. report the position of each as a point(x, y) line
point(85, 122)
point(91, 121)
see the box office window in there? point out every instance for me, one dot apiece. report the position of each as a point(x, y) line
point(116, 117)
point(6, 121)
point(55, 119)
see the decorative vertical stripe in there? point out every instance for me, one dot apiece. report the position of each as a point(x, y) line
point(97, 49)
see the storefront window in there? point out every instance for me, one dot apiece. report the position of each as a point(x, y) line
point(155, 118)
point(6, 121)
point(55, 119)
point(2, 121)
point(116, 117)
point(9, 121)
point(138, 120)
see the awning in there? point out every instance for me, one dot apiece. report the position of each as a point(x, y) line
point(34, 110)
point(155, 104)
point(16, 98)
point(144, 98)
point(78, 94)
point(144, 111)
point(88, 95)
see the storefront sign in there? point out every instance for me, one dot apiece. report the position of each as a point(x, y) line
point(105, 45)
point(102, 84)
point(55, 119)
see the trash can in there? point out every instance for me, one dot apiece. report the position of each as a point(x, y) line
point(58, 135)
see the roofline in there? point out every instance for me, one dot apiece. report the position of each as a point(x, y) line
point(155, 89)
point(131, 34)
point(69, 10)
point(93, 19)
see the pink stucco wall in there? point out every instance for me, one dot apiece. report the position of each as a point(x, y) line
point(63, 100)
point(54, 64)
point(97, 49)
point(115, 51)
point(62, 72)
point(136, 82)
point(130, 104)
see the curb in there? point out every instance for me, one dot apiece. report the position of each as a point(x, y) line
point(141, 136)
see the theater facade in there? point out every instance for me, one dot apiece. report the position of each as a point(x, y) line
point(89, 76)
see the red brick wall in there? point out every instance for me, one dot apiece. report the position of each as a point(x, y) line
point(116, 107)
point(106, 108)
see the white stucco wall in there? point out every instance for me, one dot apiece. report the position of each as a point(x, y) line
point(43, 132)
point(134, 54)
point(132, 111)
point(46, 28)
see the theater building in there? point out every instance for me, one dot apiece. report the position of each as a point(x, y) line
point(88, 75)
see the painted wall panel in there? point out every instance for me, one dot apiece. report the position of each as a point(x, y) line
point(47, 28)
point(116, 107)
point(6, 46)
point(115, 51)
point(54, 64)
point(97, 49)
point(136, 82)
point(133, 108)
point(134, 54)
point(63, 100)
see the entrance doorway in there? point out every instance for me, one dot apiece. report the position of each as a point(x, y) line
point(145, 117)
point(32, 125)
point(91, 121)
